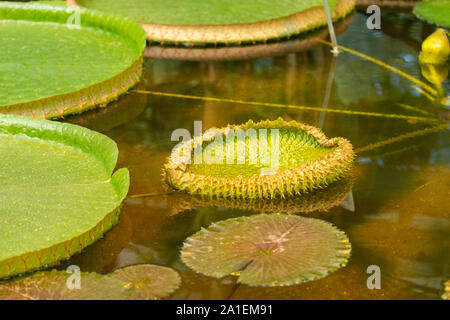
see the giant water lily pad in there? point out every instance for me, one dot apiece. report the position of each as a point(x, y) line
point(58, 194)
point(222, 22)
point(267, 250)
point(56, 61)
point(434, 11)
point(278, 48)
point(277, 159)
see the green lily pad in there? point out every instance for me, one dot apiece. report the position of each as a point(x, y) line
point(277, 159)
point(224, 22)
point(150, 282)
point(59, 193)
point(52, 285)
point(279, 48)
point(50, 66)
point(434, 11)
point(267, 250)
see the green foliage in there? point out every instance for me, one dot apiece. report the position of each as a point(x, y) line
point(49, 69)
point(434, 11)
point(59, 193)
point(196, 12)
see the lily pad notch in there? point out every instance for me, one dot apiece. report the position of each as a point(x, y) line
point(59, 193)
point(308, 161)
point(74, 79)
point(213, 23)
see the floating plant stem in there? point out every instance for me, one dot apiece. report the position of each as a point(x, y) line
point(416, 109)
point(150, 194)
point(289, 106)
point(401, 138)
point(384, 65)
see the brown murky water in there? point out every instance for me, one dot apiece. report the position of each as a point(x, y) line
point(397, 215)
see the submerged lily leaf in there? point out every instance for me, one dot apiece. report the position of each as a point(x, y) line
point(139, 282)
point(267, 250)
point(58, 194)
point(89, 59)
point(53, 285)
point(218, 21)
point(150, 282)
point(302, 159)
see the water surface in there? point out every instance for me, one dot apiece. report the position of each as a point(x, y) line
point(397, 215)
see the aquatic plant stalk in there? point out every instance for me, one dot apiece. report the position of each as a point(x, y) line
point(280, 105)
point(384, 65)
point(335, 50)
point(327, 92)
point(401, 138)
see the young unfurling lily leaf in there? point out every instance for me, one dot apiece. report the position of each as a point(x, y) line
point(268, 159)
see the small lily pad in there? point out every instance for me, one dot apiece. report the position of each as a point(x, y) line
point(267, 250)
point(200, 22)
point(89, 59)
point(150, 282)
point(53, 285)
point(59, 193)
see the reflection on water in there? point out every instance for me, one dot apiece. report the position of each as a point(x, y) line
point(400, 220)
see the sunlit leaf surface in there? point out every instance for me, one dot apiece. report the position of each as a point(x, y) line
point(59, 193)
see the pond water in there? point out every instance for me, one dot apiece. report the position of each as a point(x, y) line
point(397, 213)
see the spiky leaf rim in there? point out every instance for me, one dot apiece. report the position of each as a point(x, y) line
point(239, 33)
point(320, 201)
point(309, 176)
point(232, 53)
point(94, 95)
